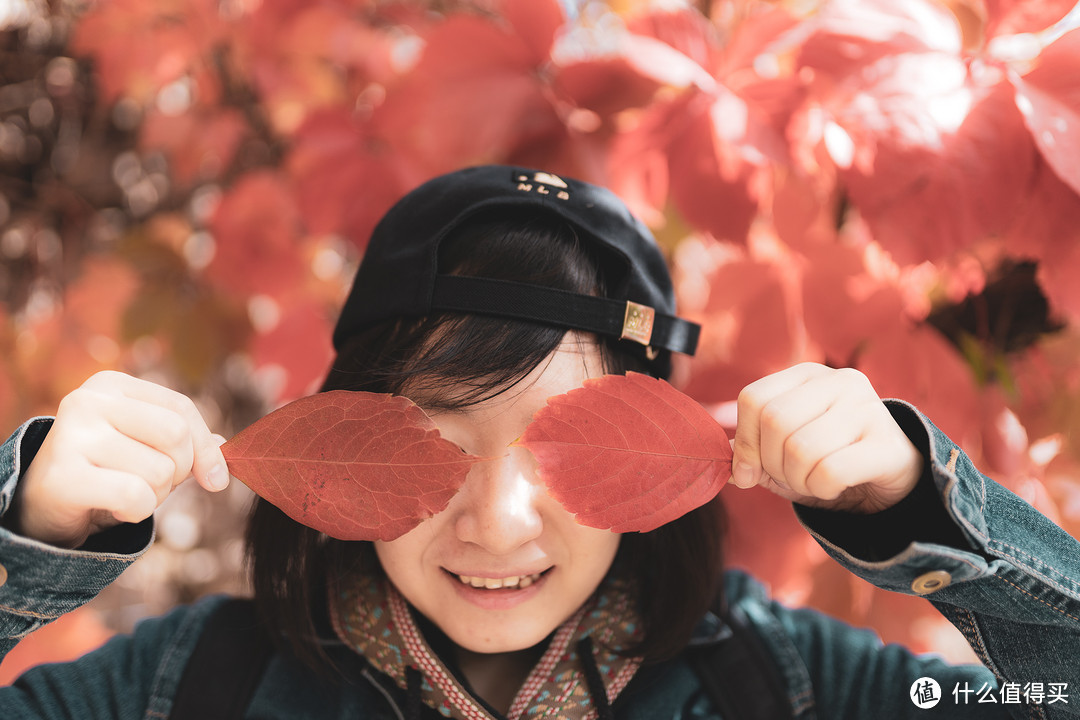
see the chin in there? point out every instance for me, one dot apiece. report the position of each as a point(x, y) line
point(492, 639)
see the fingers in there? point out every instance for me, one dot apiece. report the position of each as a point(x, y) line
point(159, 470)
point(857, 465)
point(116, 449)
point(813, 433)
point(167, 421)
point(127, 497)
point(747, 463)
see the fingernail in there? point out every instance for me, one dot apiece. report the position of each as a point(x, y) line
point(219, 439)
point(744, 474)
point(217, 478)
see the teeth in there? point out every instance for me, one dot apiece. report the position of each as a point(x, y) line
point(514, 581)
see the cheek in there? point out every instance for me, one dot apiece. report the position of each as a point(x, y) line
point(593, 551)
point(401, 559)
point(606, 545)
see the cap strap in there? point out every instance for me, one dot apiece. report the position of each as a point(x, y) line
point(486, 296)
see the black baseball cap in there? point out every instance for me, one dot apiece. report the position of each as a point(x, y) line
point(399, 276)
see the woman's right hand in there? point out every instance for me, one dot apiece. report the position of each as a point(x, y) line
point(117, 448)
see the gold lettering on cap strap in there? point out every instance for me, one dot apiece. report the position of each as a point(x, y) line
point(543, 180)
point(638, 323)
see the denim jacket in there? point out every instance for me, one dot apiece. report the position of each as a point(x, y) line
point(1006, 576)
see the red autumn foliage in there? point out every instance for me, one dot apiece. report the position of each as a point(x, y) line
point(347, 174)
point(198, 144)
point(628, 453)
point(294, 348)
point(1011, 17)
point(857, 182)
point(353, 465)
point(304, 57)
point(718, 143)
point(1050, 102)
point(493, 64)
point(257, 226)
point(141, 47)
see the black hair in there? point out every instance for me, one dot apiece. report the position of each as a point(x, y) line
point(456, 360)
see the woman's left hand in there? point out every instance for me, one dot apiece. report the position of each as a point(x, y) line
point(822, 437)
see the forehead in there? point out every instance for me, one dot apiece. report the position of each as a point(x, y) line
point(574, 360)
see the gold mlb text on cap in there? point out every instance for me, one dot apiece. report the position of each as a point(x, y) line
point(638, 323)
point(549, 179)
point(543, 180)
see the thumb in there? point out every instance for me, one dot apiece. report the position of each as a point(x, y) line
point(210, 469)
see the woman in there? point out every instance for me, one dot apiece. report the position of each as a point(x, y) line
point(481, 294)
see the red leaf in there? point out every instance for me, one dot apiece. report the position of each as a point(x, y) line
point(606, 85)
point(536, 22)
point(304, 56)
point(1047, 229)
point(346, 175)
point(837, 280)
point(852, 34)
point(720, 142)
point(628, 453)
point(718, 162)
point(353, 465)
point(1023, 16)
point(685, 30)
point(296, 349)
point(927, 143)
point(718, 151)
point(1049, 98)
point(199, 144)
point(934, 156)
point(919, 365)
point(139, 47)
point(476, 92)
point(749, 309)
point(258, 239)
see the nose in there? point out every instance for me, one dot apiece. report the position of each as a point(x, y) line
point(498, 504)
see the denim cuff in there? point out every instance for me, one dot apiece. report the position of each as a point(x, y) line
point(44, 582)
point(930, 539)
point(919, 517)
point(16, 454)
point(39, 582)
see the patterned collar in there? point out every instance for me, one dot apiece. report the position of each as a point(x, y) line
point(371, 617)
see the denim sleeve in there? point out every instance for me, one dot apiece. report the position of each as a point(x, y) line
point(39, 582)
point(131, 677)
point(1010, 584)
point(833, 671)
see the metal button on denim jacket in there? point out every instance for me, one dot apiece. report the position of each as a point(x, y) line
point(1015, 594)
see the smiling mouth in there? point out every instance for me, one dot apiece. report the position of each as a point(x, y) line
point(514, 582)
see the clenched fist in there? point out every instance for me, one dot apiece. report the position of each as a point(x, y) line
point(822, 437)
point(117, 448)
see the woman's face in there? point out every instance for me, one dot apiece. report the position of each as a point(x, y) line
point(504, 564)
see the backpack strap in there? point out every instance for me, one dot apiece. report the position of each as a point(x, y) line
point(739, 674)
point(224, 668)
